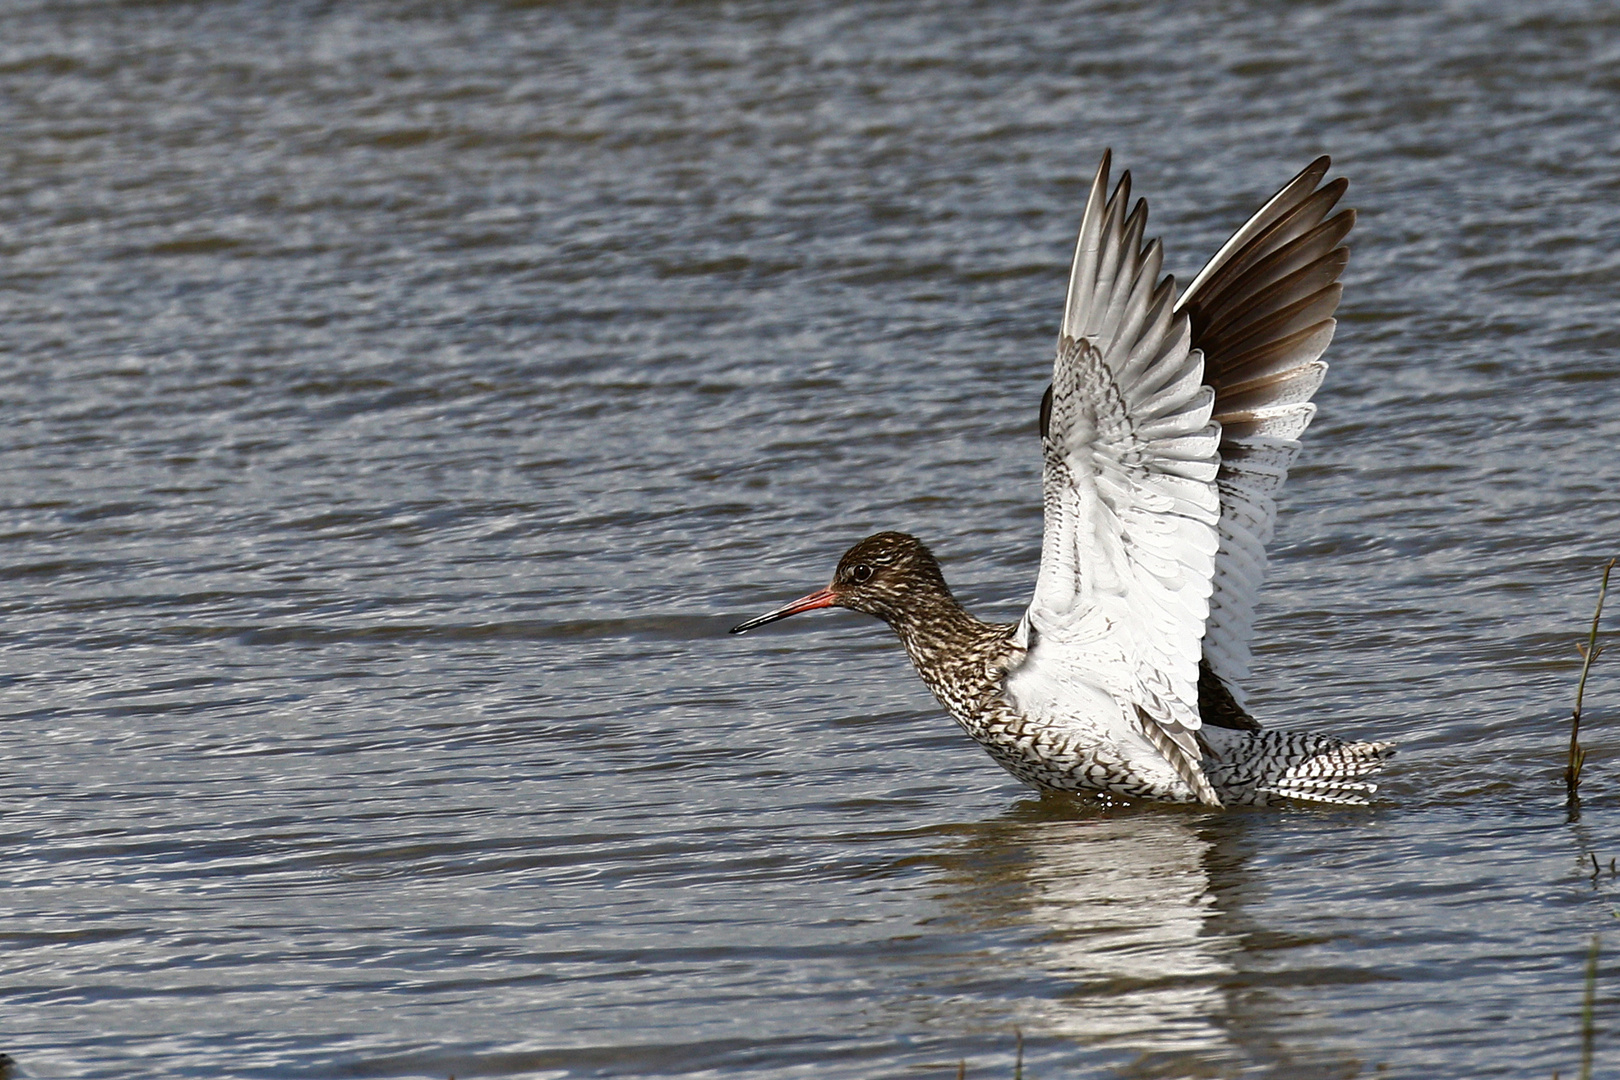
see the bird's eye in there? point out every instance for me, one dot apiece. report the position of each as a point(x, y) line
point(860, 573)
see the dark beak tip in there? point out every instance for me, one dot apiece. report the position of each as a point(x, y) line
point(824, 598)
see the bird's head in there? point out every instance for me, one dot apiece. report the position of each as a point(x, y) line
point(884, 575)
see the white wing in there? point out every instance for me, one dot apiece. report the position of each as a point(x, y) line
point(1262, 314)
point(1129, 482)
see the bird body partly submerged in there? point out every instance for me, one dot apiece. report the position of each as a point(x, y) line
point(1168, 428)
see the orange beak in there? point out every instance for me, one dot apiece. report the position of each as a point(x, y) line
point(825, 598)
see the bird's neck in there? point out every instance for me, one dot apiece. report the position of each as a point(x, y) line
point(952, 651)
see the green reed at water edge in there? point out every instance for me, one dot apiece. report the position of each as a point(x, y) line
point(1588, 1025)
point(1018, 1062)
point(1589, 652)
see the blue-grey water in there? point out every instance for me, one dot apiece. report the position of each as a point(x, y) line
point(399, 401)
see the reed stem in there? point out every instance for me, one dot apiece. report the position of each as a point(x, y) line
point(1589, 653)
point(1588, 1027)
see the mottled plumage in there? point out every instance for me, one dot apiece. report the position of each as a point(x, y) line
point(1167, 430)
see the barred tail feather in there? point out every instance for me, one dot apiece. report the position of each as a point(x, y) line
point(1262, 767)
point(1185, 762)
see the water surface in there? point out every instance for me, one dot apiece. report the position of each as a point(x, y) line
point(399, 403)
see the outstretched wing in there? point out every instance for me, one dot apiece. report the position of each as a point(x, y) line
point(1130, 461)
point(1262, 312)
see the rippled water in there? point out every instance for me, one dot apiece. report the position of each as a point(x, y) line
point(400, 401)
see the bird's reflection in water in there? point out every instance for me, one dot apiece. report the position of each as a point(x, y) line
point(1110, 907)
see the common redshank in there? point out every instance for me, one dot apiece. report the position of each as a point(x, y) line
point(1168, 427)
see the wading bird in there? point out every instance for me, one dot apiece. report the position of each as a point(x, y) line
point(1168, 427)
